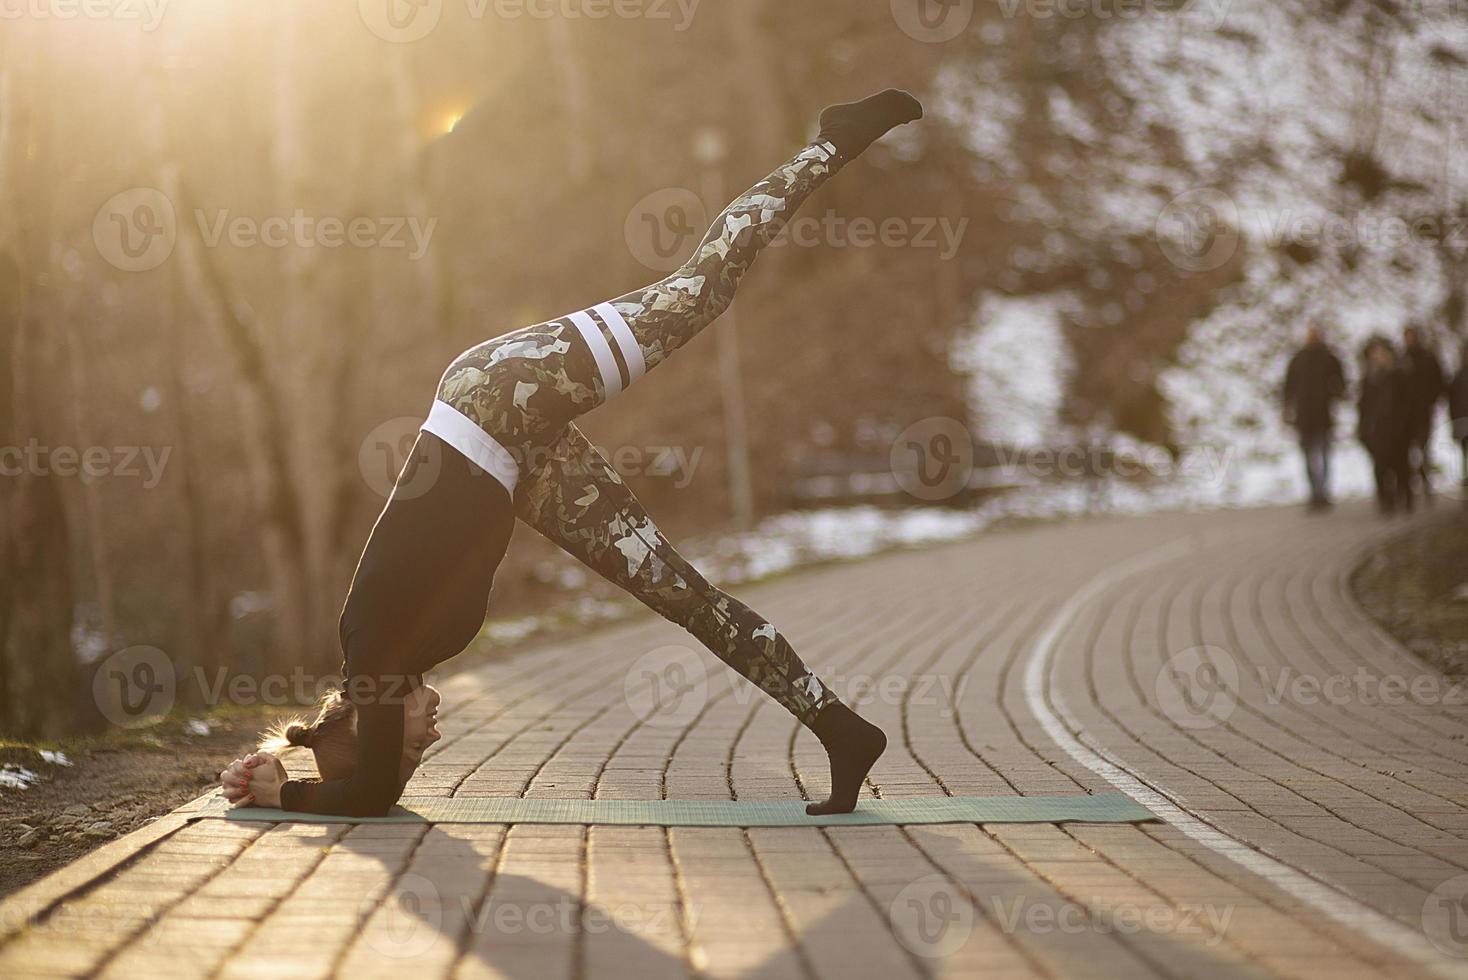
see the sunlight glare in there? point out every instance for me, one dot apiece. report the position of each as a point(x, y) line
point(448, 120)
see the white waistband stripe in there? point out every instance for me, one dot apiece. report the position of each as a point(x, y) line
point(622, 333)
point(601, 351)
point(459, 431)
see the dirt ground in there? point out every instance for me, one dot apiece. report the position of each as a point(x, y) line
point(112, 785)
point(1417, 588)
point(115, 783)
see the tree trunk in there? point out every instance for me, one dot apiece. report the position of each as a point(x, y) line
point(308, 349)
point(41, 679)
point(264, 438)
point(39, 675)
point(203, 620)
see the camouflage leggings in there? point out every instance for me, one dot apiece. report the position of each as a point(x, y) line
point(524, 389)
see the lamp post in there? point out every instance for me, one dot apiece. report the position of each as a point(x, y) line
point(710, 149)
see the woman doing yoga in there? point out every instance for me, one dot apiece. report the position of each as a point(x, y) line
point(506, 409)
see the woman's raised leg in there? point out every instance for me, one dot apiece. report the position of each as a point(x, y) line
point(637, 331)
point(536, 380)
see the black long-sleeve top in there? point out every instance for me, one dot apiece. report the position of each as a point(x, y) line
point(1314, 381)
point(418, 597)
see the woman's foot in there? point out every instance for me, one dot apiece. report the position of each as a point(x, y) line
point(853, 126)
point(854, 745)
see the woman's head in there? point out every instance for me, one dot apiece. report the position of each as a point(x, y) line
point(331, 734)
point(1379, 353)
point(420, 726)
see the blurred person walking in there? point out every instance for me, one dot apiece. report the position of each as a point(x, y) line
point(1458, 409)
point(1313, 383)
point(1424, 389)
point(1384, 423)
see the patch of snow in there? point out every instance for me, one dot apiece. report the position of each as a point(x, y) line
point(583, 610)
point(589, 609)
point(88, 644)
point(789, 540)
point(992, 111)
point(507, 631)
point(244, 603)
point(55, 758)
point(17, 777)
point(1346, 82)
point(196, 726)
point(1018, 363)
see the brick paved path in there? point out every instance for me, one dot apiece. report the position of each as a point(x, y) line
point(1317, 822)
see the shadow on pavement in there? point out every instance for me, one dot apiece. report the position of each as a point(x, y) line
point(914, 922)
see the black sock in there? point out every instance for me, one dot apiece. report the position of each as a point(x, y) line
point(852, 126)
point(853, 745)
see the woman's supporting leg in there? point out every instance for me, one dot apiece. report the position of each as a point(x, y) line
point(575, 498)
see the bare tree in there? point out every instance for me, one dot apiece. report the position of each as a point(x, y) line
point(39, 674)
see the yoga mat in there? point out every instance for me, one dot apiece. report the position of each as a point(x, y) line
point(1100, 808)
